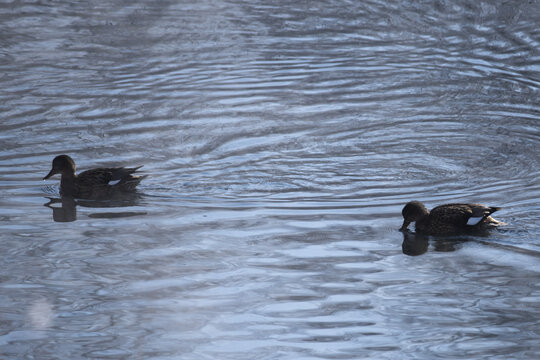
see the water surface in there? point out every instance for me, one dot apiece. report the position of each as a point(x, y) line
point(282, 140)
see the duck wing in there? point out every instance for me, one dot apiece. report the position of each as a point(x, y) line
point(480, 213)
point(123, 173)
point(462, 214)
point(107, 176)
point(95, 177)
point(102, 182)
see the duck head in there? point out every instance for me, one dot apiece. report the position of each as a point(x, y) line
point(62, 164)
point(413, 211)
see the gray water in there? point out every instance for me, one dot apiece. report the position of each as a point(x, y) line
point(281, 140)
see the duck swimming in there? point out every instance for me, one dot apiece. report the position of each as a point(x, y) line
point(449, 218)
point(93, 184)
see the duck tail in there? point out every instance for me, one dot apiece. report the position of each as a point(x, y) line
point(131, 182)
point(133, 169)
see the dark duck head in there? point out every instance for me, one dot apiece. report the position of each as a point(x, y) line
point(62, 164)
point(413, 211)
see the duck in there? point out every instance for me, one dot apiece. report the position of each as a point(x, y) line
point(97, 183)
point(449, 218)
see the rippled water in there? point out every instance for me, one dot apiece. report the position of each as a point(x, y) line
point(282, 140)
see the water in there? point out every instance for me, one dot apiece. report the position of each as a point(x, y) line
point(282, 140)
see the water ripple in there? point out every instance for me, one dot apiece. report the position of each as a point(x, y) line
point(281, 140)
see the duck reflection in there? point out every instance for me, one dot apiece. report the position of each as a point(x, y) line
point(415, 244)
point(66, 212)
point(65, 208)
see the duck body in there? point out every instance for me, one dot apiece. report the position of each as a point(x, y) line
point(449, 219)
point(93, 184)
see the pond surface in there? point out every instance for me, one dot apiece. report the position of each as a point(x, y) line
point(281, 140)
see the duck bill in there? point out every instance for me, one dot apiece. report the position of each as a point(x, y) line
point(405, 225)
point(51, 173)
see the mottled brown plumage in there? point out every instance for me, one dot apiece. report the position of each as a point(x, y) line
point(93, 184)
point(449, 218)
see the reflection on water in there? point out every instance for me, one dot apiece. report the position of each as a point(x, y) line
point(417, 244)
point(283, 139)
point(414, 244)
point(40, 314)
point(67, 211)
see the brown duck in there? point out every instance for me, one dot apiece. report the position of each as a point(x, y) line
point(93, 184)
point(449, 218)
